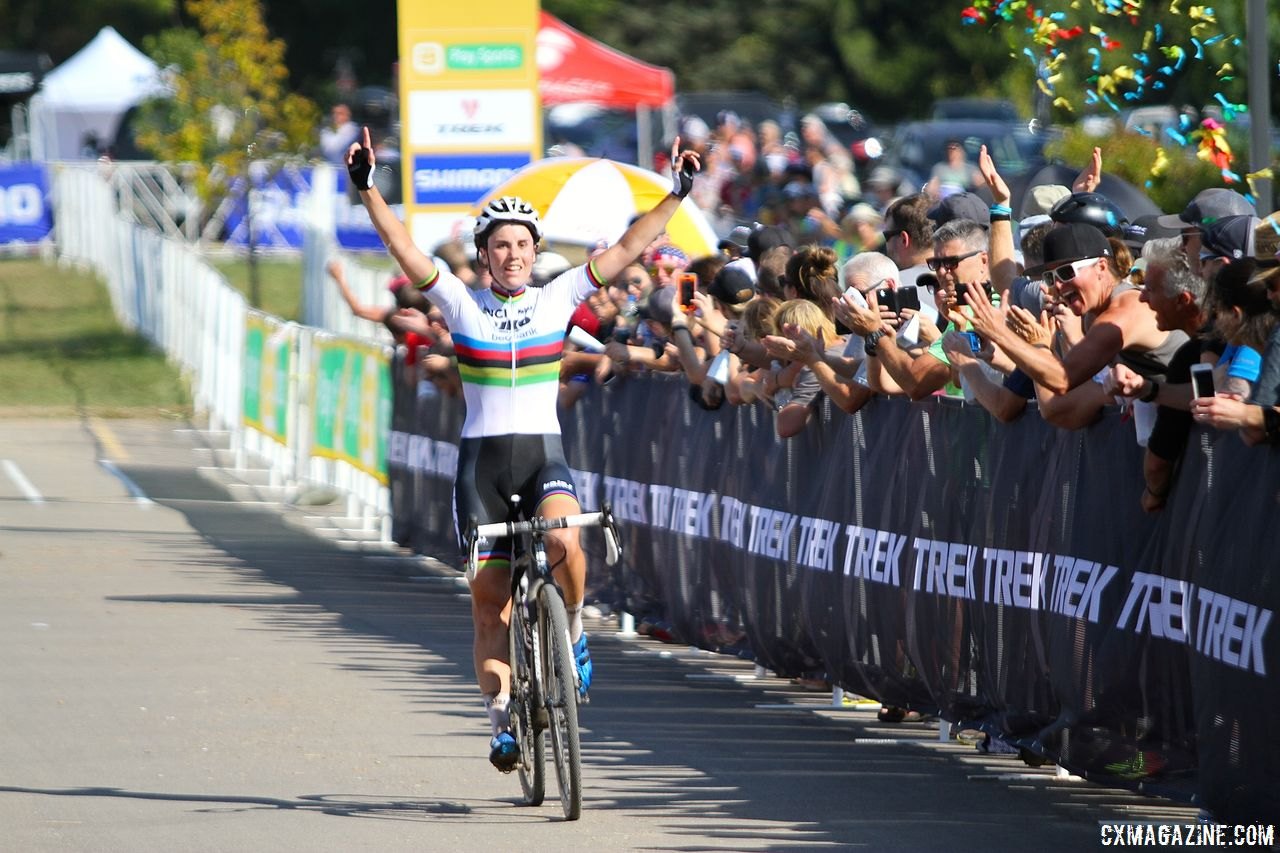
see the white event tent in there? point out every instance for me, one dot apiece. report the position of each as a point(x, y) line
point(88, 94)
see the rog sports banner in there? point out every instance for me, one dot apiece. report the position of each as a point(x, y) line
point(928, 556)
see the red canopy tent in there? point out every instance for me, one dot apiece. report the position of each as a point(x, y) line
point(574, 68)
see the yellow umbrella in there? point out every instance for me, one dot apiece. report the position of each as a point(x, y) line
point(582, 200)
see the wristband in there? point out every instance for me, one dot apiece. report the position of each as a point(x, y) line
point(681, 179)
point(360, 169)
point(1151, 395)
point(1001, 209)
point(1001, 217)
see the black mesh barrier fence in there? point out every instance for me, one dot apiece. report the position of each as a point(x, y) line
point(927, 556)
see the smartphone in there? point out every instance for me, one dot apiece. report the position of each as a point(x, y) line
point(688, 284)
point(1202, 380)
point(908, 298)
point(887, 298)
point(856, 295)
point(962, 293)
point(975, 342)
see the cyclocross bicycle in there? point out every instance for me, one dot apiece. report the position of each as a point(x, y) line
point(544, 679)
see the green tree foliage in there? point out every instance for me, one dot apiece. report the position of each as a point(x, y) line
point(61, 27)
point(1132, 156)
point(231, 100)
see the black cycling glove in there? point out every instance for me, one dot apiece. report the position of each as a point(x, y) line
point(360, 169)
point(682, 179)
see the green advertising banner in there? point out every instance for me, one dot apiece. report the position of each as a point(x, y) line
point(352, 404)
point(268, 353)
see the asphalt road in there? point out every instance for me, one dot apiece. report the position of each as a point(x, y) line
point(182, 669)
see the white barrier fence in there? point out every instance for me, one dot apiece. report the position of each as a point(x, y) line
point(164, 290)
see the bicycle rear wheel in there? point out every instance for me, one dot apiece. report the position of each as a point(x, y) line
point(525, 703)
point(559, 684)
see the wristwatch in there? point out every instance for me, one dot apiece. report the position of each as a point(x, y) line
point(1151, 395)
point(872, 343)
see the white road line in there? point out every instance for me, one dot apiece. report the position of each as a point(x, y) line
point(29, 491)
point(139, 496)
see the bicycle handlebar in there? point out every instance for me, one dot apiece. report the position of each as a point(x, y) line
point(539, 525)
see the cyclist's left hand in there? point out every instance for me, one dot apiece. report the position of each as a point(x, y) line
point(683, 165)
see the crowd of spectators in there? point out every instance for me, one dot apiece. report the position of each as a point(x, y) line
point(937, 292)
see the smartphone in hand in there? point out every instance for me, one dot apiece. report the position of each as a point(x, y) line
point(887, 298)
point(908, 298)
point(688, 284)
point(1202, 380)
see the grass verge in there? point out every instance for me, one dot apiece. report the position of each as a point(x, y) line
point(62, 351)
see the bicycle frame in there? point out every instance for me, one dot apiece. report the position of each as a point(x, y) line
point(544, 681)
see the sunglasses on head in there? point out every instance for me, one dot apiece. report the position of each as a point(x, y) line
point(1068, 272)
point(949, 262)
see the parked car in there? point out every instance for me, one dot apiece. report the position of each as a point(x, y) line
point(981, 109)
point(916, 146)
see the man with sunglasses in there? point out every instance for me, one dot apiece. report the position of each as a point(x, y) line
point(959, 258)
point(1118, 326)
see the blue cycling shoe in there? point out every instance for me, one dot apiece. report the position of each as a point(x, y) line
point(582, 657)
point(504, 752)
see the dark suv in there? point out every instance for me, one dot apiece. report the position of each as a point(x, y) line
point(916, 146)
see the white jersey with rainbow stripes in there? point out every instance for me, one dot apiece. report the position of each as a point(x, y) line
point(509, 348)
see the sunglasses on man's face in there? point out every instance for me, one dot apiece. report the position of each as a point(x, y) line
point(1068, 272)
point(949, 262)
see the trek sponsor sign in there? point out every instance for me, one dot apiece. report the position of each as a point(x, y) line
point(26, 216)
point(464, 119)
point(469, 84)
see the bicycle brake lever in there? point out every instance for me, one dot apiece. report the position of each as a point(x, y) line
point(612, 546)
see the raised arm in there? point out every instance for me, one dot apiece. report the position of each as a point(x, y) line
point(646, 229)
point(1004, 267)
point(360, 165)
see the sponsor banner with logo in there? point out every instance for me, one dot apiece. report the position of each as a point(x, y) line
point(351, 404)
point(268, 354)
point(26, 216)
point(469, 87)
point(930, 557)
point(440, 179)
point(278, 214)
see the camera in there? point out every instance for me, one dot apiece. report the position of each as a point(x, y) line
point(975, 342)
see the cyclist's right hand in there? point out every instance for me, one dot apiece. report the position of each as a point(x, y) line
point(360, 162)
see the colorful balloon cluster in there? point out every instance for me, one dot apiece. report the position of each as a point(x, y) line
point(1119, 72)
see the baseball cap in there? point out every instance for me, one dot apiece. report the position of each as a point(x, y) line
point(1040, 200)
point(658, 305)
point(863, 212)
point(1075, 241)
point(1145, 228)
point(762, 240)
point(735, 283)
point(1208, 205)
point(962, 205)
point(1266, 240)
point(669, 251)
point(1230, 237)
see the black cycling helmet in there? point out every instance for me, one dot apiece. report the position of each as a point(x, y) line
point(1092, 209)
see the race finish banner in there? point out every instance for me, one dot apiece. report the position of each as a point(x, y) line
point(268, 355)
point(927, 556)
point(469, 108)
point(351, 405)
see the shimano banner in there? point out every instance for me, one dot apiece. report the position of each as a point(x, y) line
point(930, 557)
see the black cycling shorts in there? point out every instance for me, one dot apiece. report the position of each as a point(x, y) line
point(493, 468)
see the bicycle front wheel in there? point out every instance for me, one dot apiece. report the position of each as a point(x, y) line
point(560, 695)
point(525, 705)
